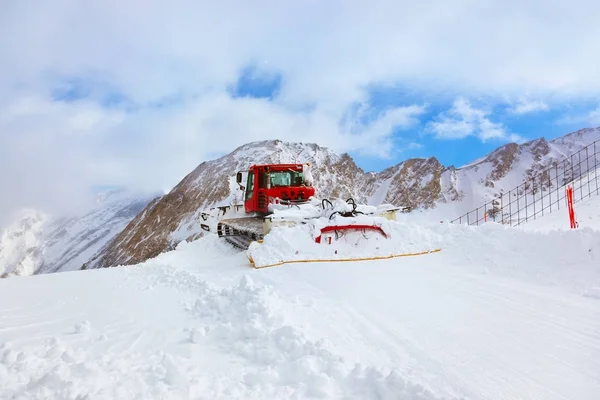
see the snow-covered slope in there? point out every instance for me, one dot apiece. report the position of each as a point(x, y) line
point(39, 243)
point(434, 191)
point(511, 165)
point(465, 188)
point(499, 314)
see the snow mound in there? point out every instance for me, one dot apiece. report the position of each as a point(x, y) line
point(298, 243)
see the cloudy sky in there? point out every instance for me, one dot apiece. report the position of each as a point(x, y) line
point(137, 93)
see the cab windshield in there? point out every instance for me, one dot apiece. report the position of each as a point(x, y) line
point(286, 178)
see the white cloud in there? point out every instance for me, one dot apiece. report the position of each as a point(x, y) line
point(56, 151)
point(326, 53)
point(463, 120)
point(529, 106)
point(594, 117)
point(587, 118)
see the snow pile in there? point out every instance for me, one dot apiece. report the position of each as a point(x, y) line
point(298, 243)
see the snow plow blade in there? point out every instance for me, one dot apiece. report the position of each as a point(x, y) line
point(333, 260)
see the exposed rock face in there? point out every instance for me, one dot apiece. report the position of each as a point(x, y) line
point(502, 161)
point(412, 183)
point(417, 183)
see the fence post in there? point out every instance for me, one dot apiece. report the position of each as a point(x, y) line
point(557, 185)
point(587, 164)
point(533, 192)
point(550, 191)
point(526, 207)
point(580, 176)
point(518, 207)
point(502, 207)
point(596, 167)
point(542, 191)
point(510, 196)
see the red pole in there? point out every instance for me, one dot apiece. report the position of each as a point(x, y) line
point(570, 207)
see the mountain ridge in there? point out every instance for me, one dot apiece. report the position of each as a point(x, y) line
point(148, 227)
point(418, 183)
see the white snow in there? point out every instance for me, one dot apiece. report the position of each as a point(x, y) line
point(499, 313)
point(386, 239)
point(41, 243)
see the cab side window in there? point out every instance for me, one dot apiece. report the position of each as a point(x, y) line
point(250, 185)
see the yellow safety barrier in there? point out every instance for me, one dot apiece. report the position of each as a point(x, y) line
point(344, 259)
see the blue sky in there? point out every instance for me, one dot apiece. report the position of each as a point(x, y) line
point(113, 94)
point(534, 120)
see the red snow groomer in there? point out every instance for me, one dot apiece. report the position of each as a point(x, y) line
point(274, 184)
point(280, 187)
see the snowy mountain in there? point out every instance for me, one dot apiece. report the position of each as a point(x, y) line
point(467, 187)
point(39, 243)
point(175, 217)
point(422, 184)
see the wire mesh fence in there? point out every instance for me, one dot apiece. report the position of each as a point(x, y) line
point(544, 192)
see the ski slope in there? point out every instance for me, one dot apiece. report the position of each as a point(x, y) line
point(499, 313)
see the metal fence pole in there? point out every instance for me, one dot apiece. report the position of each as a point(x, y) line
point(550, 191)
point(580, 177)
point(510, 216)
point(596, 167)
point(518, 207)
point(502, 207)
point(526, 206)
point(533, 190)
point(542, 191)
point(557, 185)
point(587, 163)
